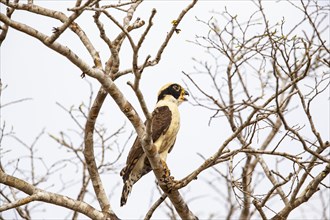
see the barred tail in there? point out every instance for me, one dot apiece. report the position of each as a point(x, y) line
point(127, 188)
point(131, 176)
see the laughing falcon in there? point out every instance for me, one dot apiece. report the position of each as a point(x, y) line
point(165, 125)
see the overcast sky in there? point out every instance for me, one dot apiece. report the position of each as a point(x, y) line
point(30, 70)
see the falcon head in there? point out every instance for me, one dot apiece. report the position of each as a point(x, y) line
point(173, 91)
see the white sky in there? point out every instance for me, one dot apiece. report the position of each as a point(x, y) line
point(33, 71)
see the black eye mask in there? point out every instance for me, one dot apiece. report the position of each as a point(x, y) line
point(173, 90)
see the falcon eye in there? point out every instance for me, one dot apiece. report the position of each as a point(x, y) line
point(176, 87)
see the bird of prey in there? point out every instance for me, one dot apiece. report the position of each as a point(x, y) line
point(165, 125)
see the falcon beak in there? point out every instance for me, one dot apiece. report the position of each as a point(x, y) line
point(184, 93)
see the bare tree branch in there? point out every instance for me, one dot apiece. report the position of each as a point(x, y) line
point(36, 194)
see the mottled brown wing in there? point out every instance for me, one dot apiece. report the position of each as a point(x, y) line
point(134, 154)
point(161, 121)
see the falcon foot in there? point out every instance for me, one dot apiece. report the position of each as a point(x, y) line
point(167, 180)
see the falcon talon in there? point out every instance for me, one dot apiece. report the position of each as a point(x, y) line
point(170, 186)
point(172, 180)
point(162, 182)
point(165, 124)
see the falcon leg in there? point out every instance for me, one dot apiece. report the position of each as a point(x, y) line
point(166, 171)
point(167, 179)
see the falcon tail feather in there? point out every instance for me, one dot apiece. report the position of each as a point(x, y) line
point(127, 188)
